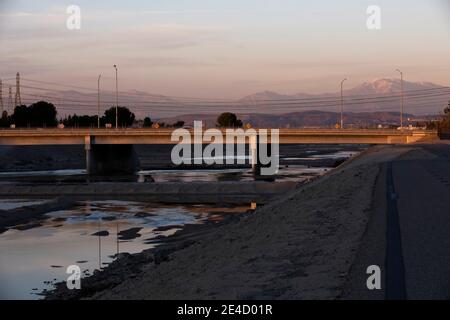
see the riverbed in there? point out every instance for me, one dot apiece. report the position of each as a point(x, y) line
point(91, 233)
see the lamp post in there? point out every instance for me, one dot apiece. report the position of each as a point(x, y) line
point(401, 87)
point(98, 101)
point(342, 103)
point(117, 99)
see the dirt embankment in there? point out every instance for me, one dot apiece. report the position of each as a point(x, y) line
point(300, 246)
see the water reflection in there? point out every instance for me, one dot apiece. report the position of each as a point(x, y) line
point(88, 235)
point(291, 165)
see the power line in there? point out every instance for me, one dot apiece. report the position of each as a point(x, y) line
point(176, 108)
point(138, 101)
point(281, 103)
point(229, 100)
point(412, 93)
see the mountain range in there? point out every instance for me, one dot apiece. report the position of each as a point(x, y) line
point(380, 96)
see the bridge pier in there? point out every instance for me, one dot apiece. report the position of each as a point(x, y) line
point(88, 151)
point(256, 165)
point(106, 159)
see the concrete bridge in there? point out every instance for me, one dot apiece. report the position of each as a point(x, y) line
point(107, 149)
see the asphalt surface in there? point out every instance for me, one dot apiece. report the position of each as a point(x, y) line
point(408, 235)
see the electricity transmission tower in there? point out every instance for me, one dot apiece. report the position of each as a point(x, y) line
point(1, 97)
point(17, 100)
point(10, 102)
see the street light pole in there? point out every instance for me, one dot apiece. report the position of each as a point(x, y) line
point(342, 103)
point(117, 100)
point(401, 87)
point(98, 102)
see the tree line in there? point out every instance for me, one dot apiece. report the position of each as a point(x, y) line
point(126, 118)
point(43, 114)
point(39, 114)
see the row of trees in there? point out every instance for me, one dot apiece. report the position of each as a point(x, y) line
point(149, 123)
point(44, 114)
point(125, 119)
point(39, 114)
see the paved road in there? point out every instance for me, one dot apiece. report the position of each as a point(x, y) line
point(408, 235)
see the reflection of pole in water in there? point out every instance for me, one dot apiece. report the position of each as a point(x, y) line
point(99, 246)
point(117, 239)
point(87, 207)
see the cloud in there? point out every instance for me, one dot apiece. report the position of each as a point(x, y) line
point(164, 36)
point(27, 17)
point(164, 62)
point(16, 15)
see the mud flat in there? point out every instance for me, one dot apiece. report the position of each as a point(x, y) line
point(28, 216)
point(300, 246)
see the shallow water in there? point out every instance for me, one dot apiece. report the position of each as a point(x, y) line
point(291, 167)
point(286, 172)
point(334, 155)
point(37, 173)
point(31, 260)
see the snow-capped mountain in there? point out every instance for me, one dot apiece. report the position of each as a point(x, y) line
point(377, 95)
point(389, 86)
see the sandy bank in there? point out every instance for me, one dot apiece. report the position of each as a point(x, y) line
point(300, 246)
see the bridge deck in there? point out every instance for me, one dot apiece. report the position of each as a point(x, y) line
point(163, 136)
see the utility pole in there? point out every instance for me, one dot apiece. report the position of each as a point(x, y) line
point(99, 246)
point(342, 103)
point(1, 96)
point(98, 100)
point(401, 87)
point(17, 100)
point(117, 100)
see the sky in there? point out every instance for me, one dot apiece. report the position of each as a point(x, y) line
point(227, 48)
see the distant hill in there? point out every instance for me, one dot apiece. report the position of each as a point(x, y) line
point(380, 95)
point(302, 119)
